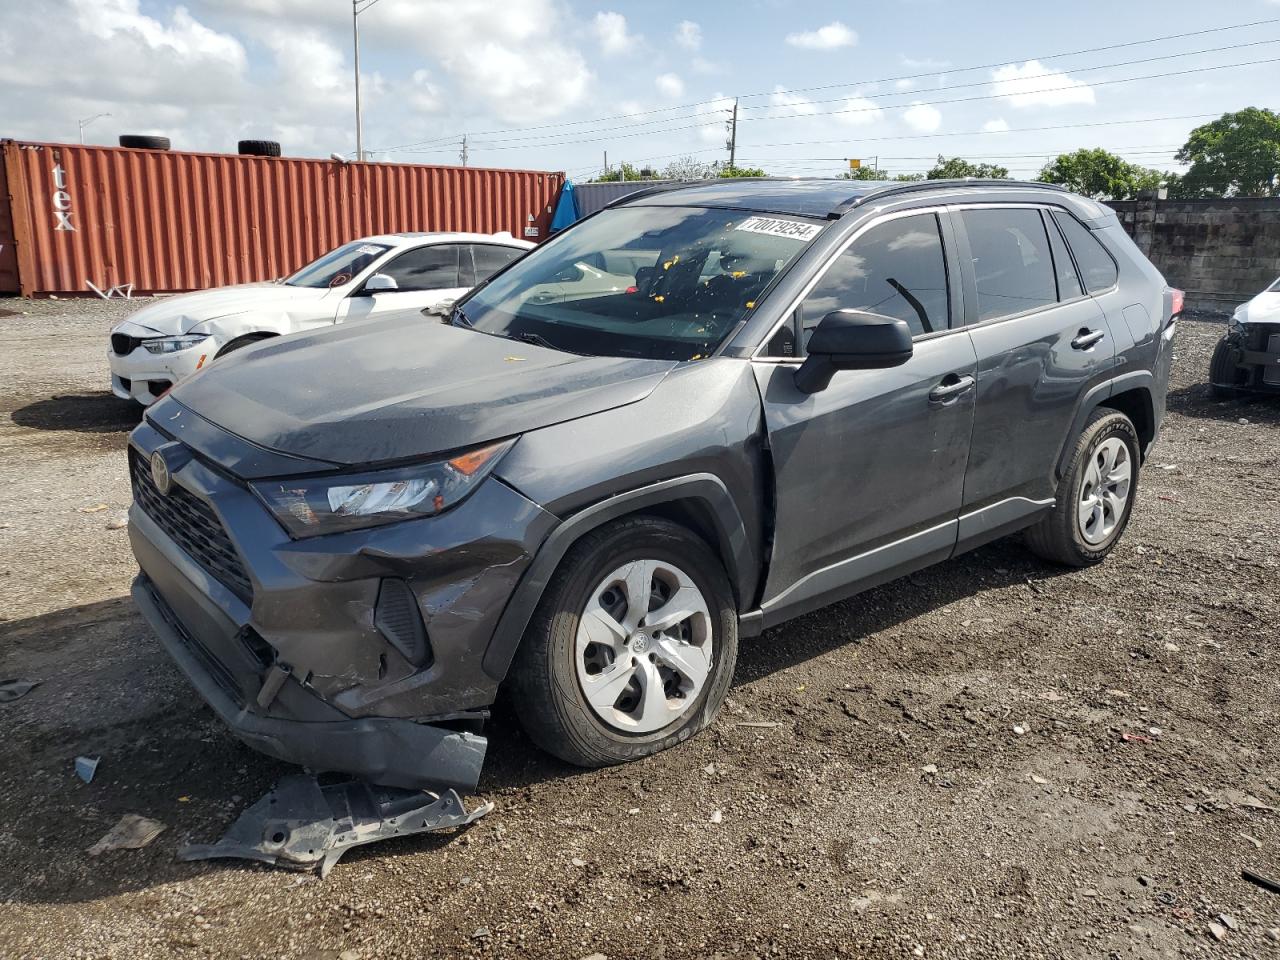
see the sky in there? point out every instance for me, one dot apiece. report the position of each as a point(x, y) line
point(555, 84)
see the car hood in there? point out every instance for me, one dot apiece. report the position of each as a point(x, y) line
point(403, 388)
point(171, 316)
point(1264, 308)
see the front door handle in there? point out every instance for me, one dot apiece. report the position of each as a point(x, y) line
point(951, 387)
point(1086, 339)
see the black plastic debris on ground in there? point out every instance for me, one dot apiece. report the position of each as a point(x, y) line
point(302, 824)
point(15, 689)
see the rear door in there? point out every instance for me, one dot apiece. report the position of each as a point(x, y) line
point(1042, 343)
point(869, 472)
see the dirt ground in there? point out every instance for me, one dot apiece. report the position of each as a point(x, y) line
point(895, 810)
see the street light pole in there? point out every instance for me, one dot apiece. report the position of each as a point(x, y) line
point(358, 7)
point(88, 120)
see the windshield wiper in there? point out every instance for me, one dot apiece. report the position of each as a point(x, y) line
point(539, 341)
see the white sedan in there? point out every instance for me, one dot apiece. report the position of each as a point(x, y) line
point(378, 276)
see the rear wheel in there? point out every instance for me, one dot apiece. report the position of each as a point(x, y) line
point(1096, 496)
point(633, 646)
point(1222, 372)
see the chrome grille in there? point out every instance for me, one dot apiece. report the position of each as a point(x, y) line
point(193, 526)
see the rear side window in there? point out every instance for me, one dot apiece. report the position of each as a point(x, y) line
point(1097, 269)
point(896, 269)
point(427, 268)
point(1011, 261)
point(491, 258)
point(1068, 280)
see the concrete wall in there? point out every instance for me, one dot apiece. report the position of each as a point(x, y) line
point(1221, 252)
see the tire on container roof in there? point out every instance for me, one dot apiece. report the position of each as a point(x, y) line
point(259, 148)
point(139, 142)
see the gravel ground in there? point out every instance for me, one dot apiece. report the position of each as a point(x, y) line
point(894, 810)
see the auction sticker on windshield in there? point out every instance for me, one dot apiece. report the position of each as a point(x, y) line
point(776, 227)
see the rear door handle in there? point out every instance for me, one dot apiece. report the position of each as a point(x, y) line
point(950, 388)
point(1087, 339)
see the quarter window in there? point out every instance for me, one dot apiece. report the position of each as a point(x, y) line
point(1011, 261)
point(426, 268)
point(1096, 266)
point(896, 269)
point(1068, 280)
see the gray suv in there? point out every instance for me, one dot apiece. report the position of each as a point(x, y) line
point(691, 417)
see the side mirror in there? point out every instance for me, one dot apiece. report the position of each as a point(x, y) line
point(441, 310)
point(380, 282)
point(852, 340)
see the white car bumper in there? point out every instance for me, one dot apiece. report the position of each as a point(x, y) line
point(145, 376)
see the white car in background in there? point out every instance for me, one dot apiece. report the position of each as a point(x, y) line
point(378, 276)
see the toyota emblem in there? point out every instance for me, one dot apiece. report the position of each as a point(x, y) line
point(160, 473)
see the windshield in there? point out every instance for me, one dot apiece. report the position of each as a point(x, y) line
point(665, 283)
point(338, 267)
point(1274, 288)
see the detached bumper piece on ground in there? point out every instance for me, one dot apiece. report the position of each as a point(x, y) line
point(302, 824)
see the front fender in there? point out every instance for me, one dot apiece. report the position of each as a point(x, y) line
point(705, 489)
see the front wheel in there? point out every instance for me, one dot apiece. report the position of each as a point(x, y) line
point(1222, 372)
point(1095, 497)
point(632, 648)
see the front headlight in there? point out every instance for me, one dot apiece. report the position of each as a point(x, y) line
point(310, 506)
point(174, 344)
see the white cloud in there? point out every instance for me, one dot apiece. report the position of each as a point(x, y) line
point(998, 125)
point(689, 35)
point(904, 84)
point(184, 35)
point(922, 118)
point(1035, 85)
point(792, 102)
point(669, 85)
point(712, 118)
point(611, 31)
point(831, 37)
point(858, 111)
point(424, 96)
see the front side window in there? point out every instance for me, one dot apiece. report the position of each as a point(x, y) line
point(338, 267)
point(426, 268)
point(659, 282)
point(1011, 261)
point(896, 269)
point(1096, 266)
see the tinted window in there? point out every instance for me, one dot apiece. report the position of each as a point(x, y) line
point(1068, 281)
point(896, 269)
point(490, 259)
point(426, 268)
point(1011, 261)
point(1096, 266)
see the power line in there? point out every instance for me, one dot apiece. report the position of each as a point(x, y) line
point(866, 82)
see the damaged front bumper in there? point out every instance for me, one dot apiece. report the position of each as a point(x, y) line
point(357, 653)
point(1254, 351)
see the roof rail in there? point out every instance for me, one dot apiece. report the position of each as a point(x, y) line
point(912, 186)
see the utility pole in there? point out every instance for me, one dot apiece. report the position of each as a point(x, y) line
point(88, 120)
point(358, 7)
point(606, 161)
point(463, 154)
point(733, 137)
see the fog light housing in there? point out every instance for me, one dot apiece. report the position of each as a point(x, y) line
point(399, 620)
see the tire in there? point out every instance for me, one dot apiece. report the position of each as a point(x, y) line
point(1222, 372)
point(259, 148)
point(1059, 536)
point(547, 675)
point(241, 342)
point(139, 142)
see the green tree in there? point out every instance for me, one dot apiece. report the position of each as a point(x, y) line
point(690, 168)
point(957, 168)
point(1237, 155)
point(1100, 174)
point(728, 171)
point(625, 171)
point(874, 173)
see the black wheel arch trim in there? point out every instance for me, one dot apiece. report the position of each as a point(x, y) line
point(734, 547)
point(1097, 397)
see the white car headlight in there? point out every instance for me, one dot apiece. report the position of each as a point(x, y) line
point(174, 344)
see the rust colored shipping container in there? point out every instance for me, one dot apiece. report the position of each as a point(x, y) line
point(74, 218)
